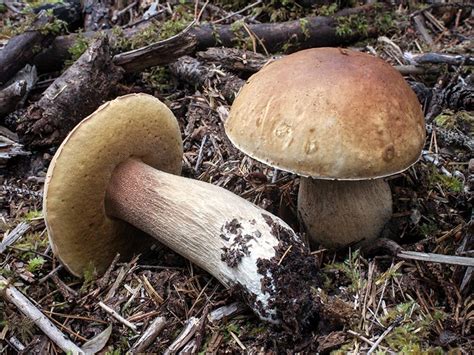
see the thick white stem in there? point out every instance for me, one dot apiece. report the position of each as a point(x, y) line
point(217, 230)
point(341, 213)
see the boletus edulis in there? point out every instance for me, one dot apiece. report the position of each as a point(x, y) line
point(114, 182)
point(342, 120)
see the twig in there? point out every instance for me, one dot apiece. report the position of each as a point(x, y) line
point(11, 294)
point(14, 235)
point(149, 335)
point(228, 312)
point(117, 316)
point(395, 323)
point(201, 150)
point(436, 258)
point(190, 328)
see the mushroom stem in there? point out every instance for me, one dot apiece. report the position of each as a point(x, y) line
point(340, 213)
point(222, 233)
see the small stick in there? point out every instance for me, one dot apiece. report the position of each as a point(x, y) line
point(201, 150)
point(51, 273)
point(14, 235)
point(228, 312)
point(436, 258)
point(11, 294)
point(190, 328)
point(149, 335)
point(384, 334)
point(117, 316)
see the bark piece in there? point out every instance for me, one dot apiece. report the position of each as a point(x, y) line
point(235, 59)
point(195, 72)
point(71, 97)
point(17, 90)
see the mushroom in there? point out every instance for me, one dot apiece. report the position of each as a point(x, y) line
point(114, 178)
point(342, 120)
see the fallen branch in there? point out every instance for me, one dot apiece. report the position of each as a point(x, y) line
point(150, 334)
point(21, 49)
point(11, 294)
point(71, 97)
point(288, 36)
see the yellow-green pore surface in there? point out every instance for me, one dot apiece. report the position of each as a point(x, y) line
point(80, 232)
point(329, 113)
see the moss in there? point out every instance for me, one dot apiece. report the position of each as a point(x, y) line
point(35, 264)
point(77, 49)
point(428, 229)
point(55, 27)
point(158, 78)
point(241, 38)
point(384, 22)
point(89, 276)
point(328, 10)
point(351, 25)
point(304, 23)
point(446, 182)
point(33, 214)
point(350, 268)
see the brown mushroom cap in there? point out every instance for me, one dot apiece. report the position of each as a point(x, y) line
point(329, 113)
point(80, 232)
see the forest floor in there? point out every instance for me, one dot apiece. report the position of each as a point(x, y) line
point(377, 301)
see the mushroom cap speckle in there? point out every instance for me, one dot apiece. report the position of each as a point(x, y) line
point(329, 113)
point(80, 232)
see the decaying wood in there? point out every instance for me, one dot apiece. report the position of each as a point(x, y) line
point(451, 137)
point(69, 11)
point(11, 294)
point(117, 316)
point(9, 147)
point(72, 96)
point(21, 49)
point(287, 36)
point(150, 334)
point(96, 13)
point(456, 94)
point(16, 92)
point(195, 72)
point(11, 96)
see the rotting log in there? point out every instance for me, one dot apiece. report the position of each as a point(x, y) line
point(21, 49)
point(71, 97)
point(285, 36)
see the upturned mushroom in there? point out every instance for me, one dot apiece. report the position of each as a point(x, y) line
point(342, 120)
point(114, 178)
